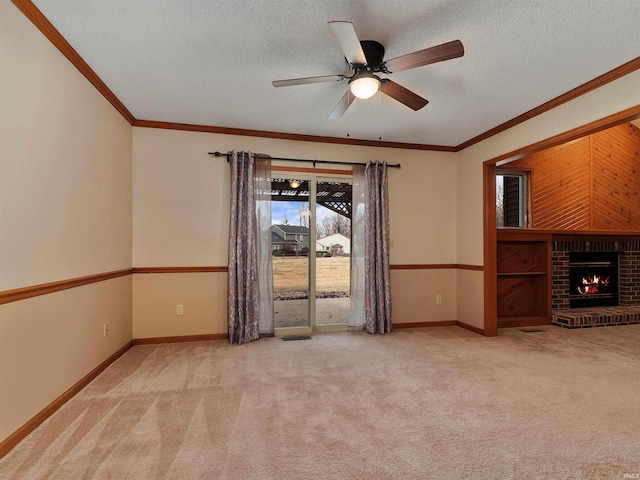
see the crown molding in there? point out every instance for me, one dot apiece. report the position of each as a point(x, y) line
point(624, 116)
point(46, 27)
point(289, 136)
point(597, 82)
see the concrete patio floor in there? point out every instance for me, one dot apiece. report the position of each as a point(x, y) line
point(295, 313)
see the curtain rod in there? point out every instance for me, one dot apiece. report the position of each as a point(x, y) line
point(218, 154)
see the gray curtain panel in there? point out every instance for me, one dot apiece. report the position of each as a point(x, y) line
point(243, 301)
point(262, 184)
point(377, 280)
point(358, 236)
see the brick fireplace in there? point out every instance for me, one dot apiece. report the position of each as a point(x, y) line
point(593, 279)
point(624, 310)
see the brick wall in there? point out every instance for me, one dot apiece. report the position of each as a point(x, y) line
point(559, 279)
point(629, 281)
point(628, 265)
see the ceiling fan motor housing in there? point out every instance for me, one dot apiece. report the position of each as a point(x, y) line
point(374, 52)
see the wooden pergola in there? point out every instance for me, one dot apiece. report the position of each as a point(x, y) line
point(332, 195)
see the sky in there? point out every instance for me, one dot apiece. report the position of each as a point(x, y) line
point(279, 209)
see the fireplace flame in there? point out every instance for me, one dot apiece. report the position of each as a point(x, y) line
point(592, 284)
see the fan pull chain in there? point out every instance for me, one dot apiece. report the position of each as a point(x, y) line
point(348, 114)
point(379, 115)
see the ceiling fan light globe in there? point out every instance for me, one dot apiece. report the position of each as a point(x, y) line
point(365, 86)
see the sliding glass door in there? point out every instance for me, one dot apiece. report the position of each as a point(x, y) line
point(290, 244)
point(311, 253)
point(333, 253)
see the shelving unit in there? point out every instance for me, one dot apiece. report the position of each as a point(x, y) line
point(524, 279)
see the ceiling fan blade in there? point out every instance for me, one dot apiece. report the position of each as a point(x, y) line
point(348, 40)
point(439, 53)
point(401, 94)
point(304, 81)
point(343, 104)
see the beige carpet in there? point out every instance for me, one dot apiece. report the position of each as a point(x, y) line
point(433, 403)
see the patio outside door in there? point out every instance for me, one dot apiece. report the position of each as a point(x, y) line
point(311, 244)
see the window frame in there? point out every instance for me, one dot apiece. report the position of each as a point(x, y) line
point(524, 197)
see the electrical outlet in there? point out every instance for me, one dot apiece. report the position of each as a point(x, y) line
point(438, 299)
point(105, 329)
point(179, 310)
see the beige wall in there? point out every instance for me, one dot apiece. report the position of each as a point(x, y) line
point(181, 216)
point(181, 196)
point(470, 297)
point(607, 100)
point(65, 212)
point(50, 342)
point(203, 296)
point(81, 192)
point(413, 295)
point(65, 196)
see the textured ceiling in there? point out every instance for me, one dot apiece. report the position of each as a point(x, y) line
point(211, 62)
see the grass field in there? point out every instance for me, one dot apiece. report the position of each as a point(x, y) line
point(291, 274)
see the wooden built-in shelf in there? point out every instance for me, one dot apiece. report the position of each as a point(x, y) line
point(524, 270)
point(524, 278)
point(560, 235)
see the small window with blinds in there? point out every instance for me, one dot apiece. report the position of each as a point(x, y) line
point(512, 199)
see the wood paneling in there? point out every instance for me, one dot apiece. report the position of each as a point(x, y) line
point(522, 257)
point(511, 234)
point(616, 178)
point(619, 118)
point(560, 186)
point(489, 206)
point(591, 183)
point(522, 296)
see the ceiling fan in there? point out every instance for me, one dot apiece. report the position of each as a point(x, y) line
point(365, 60)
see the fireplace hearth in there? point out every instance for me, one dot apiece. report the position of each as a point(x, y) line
point(593, 279)
point(569, 289)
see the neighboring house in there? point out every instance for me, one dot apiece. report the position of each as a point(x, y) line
point(294, 235)
point(336, 244)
